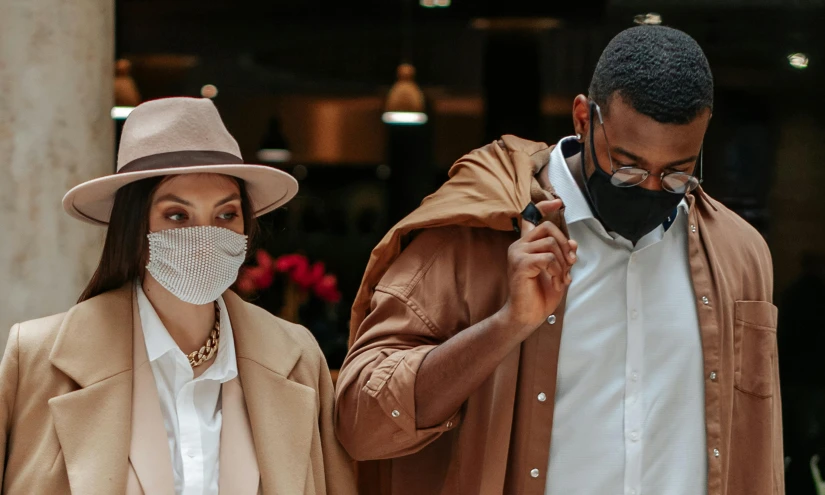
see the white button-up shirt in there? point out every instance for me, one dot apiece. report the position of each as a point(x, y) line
point(191, 407)
point(629, 413)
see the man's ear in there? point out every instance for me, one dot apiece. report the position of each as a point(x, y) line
point(581, 115)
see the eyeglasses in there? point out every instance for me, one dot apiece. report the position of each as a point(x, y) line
point(674, 182)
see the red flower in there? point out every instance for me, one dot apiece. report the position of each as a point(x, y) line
point(327, 289)
point(260, 276)
point(289, 262)
point(307, 276)
point(245, 283)
point(264, 260)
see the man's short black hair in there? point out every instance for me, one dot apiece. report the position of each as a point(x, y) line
point(659, 71)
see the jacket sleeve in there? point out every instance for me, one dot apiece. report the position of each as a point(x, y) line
point(339, 468)
point(375, 410)
point(8, 394)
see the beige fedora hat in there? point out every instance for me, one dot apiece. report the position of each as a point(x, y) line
point(173, 136)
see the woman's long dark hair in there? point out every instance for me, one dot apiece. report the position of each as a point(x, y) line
point(126, 248)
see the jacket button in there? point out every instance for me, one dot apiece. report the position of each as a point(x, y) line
point(715, 452)
point(713, 376)
point(534, 473)
point(542, 397)
point(705, 300)
point(395, 413)
point(551, 319)
point(693, 228)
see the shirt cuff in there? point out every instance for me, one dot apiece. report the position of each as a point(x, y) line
point(392, 384)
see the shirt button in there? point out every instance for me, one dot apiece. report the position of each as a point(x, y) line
point(634, 314)
point(634, 435)
point(534, 473)
point(632, 492)
point(542, 397)
point(395, 413)
point(713, 376)
point(705, 300)
point(551, 319)
point(634, 376)
point(715, 452)
point(191, 454)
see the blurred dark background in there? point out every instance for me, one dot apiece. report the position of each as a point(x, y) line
point(312, 77)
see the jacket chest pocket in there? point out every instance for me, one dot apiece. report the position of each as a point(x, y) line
point(755, 347)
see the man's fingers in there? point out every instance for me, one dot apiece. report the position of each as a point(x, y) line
point(549, 230)
point(548, 207)
point(549, 245)
point(539, 263)
point(573, 246)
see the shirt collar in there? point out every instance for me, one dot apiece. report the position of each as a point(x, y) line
point(159, 343)
point(564, 157)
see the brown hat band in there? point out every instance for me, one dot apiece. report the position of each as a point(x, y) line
point(176, 159)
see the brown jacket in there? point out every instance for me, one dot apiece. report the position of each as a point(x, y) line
point(451, 274)
point(66, 388)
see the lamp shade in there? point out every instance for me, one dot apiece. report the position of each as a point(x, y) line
point(274, 148)
point(405, 101)
point(126, 92)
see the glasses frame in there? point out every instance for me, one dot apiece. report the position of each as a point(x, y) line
point(691, 185)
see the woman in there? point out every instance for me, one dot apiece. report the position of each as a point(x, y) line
point(160, 380)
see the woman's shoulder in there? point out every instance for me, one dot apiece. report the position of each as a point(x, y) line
point(36, 334)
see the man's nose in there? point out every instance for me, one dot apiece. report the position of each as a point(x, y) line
point(652, 183)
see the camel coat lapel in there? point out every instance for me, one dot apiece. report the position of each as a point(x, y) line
point(149, 454)
point(281, 412)
point(238, 462)
point(94, 348)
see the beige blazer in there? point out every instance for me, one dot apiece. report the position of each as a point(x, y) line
point(66, 407)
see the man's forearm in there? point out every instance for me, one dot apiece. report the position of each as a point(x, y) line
point(455, 369)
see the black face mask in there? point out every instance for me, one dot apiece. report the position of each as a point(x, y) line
point(631, 212)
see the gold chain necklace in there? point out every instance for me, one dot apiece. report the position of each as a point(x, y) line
point(210, 348)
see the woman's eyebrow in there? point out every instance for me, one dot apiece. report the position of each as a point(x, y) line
point(173, 198)
point(231, 197)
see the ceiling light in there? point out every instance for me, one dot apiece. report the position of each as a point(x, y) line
point(404, 118)
point(270, 155)
point(798, 60)
point(209, 91)
point(126, 92)
point(120, 113)
point(650, 19)
point(405, 101)
point(435, 3)
point(274, 148)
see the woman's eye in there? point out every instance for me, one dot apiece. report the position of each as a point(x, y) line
point(177, 217)
point(228, 216)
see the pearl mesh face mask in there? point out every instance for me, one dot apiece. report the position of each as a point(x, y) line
point(196, 264)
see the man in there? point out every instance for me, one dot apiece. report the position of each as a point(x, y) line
point(624, 343)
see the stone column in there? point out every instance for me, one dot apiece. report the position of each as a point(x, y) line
point(56, 80)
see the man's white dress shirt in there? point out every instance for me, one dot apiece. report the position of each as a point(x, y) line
point(191, 408)
point(629, 413)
